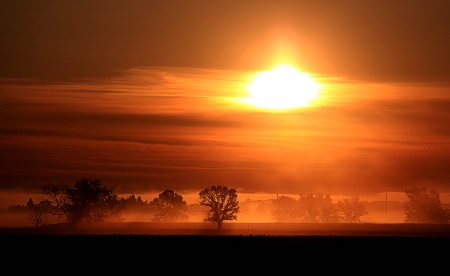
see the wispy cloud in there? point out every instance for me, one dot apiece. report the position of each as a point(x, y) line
point(153, 128)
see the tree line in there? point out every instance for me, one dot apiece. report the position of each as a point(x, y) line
point(88, 200)
point(91, 201)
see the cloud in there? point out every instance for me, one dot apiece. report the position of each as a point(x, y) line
point(156, 128)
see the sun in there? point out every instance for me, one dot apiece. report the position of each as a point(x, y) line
point(281, 88)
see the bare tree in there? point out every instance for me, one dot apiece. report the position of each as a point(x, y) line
point(222, 202)
point(169, 207)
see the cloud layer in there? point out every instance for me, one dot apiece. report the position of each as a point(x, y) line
point(156, 128)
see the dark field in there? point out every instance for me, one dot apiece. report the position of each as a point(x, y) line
point(252, 248)
point(241, 229)
point(246, 237)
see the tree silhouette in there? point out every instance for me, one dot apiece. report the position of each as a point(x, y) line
point(285, 209)
point(134, 202)
point(424, 206)
point(351, 209)
point(169, 207)
point(326, 210)
point(222, 202)
point(38, 213)
point(309, 208)
point(89, 200)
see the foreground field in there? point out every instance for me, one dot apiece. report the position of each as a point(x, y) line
point(245, 229)
point(253, 247)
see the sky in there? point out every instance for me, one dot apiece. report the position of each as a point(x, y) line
point(147, 96)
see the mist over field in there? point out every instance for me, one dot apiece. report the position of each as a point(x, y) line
point(254, 208)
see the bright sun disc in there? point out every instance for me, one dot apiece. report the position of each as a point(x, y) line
point(281, 88)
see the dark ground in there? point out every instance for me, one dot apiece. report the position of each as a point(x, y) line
point(125, 254)
point(385, 242)
point(224, 254)
point(239, 229)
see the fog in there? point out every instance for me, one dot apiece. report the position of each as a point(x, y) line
point(254, 208)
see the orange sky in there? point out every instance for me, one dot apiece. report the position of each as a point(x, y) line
point(185, 129)
point(145, 96)
point(371, 39)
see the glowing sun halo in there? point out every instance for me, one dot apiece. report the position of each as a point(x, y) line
point(281, 88)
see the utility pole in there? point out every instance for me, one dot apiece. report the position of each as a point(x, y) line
point(386, 206)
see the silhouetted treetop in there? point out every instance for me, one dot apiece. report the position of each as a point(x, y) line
point(170, 207)
point(88, 200)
